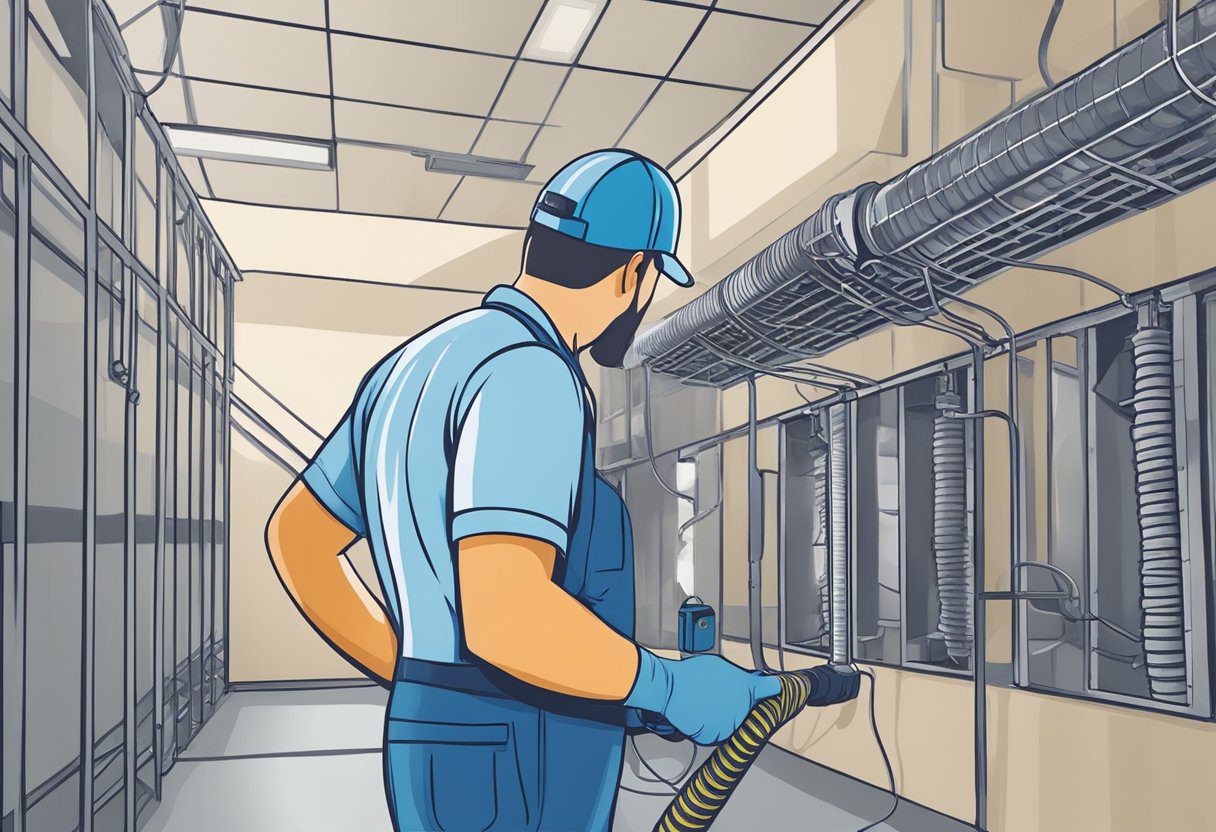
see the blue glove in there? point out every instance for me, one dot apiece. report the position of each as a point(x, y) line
point(705, 697)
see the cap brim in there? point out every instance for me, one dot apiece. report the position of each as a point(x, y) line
point(674, 269)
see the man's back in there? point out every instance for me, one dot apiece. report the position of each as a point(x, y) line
point(389, 465)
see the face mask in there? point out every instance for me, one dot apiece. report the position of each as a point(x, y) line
point(609, 349)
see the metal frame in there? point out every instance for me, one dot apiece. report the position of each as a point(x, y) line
point(98, 24)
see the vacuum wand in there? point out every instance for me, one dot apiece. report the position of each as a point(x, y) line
point(698, 803)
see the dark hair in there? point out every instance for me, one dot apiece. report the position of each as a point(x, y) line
point(575, 264)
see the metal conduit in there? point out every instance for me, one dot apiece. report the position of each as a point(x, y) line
point(838, 552)
point(950, 550)
point(1161, 582)
point(819, 480)
point(1121, 136)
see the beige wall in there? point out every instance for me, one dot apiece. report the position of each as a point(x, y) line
point(309, 339)
point(1055, 764)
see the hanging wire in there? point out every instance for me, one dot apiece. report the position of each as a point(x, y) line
point(654, 465)
point(173, 50)
point(1049, 29)
point(1124, 297)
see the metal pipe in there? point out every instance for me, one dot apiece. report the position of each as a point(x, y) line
point(755, 535)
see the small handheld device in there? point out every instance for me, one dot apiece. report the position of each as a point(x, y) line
point(696, 626)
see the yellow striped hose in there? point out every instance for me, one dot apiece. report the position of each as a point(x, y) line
point(702, 797)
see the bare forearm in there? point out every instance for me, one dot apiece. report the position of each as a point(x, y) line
point(305, 544)
point(517, 619)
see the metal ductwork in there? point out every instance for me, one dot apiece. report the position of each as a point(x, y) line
point(1120, 137)
point(951, 552)
point(1161, 580)
point(838, 531)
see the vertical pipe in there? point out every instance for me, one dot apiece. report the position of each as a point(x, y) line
point(130, 693)
point(14, 764)
point(979, 609)
point(90, 440)
point(839, 513)
point(755, 534)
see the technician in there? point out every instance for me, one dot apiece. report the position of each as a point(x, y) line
point(467, 462)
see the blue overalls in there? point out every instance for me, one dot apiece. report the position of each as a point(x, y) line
point(470, 748)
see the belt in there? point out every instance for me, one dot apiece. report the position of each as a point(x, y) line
point(466, 678)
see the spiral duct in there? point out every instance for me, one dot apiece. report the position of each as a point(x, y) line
point(838, 552)
point(819, 478)
point(1119, 137)
point(950, 550)
point(1161, 583)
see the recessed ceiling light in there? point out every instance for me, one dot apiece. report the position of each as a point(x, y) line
point(562, 29)
point(250, 147)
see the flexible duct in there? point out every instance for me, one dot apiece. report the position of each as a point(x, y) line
point(838, 554)
point(950, 550)
point(819, 482)
point(1117, 138)
point(1161, 585)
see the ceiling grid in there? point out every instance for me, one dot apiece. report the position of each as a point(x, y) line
point(457, 111)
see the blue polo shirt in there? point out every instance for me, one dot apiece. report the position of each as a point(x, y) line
point(471, 427)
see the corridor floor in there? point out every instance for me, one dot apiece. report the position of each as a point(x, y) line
point(309, 761)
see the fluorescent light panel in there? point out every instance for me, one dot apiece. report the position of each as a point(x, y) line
point(562, 30)
point(250, 147)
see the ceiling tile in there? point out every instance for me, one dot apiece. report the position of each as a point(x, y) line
point(238, 108)
point(600, 102)
point(499, 26)
point(416, 76)
point(529, 91)
point(804, 11)
point(492, 201)
point(641, 36)
point(590, 114)
point(304, 12)
point(395, 182)
point(266, 54)
point(412, 128)
point(194, 175)
point(678, 117)
point(505, 140)
point(555, 146)
point(167, 103)
point(739, 51)
point(145, 41)
point(272, 184)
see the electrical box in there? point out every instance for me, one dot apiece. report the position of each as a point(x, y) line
point(696, 626)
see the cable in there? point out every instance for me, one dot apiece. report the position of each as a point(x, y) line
point(1123, 296)
point(882, 749)
point(173, 52)
point(671, 784)
point(1045, 41)
point(698, 802)
point(654, 465)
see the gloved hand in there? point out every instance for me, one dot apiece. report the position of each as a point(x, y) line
point(703, 697)
point(830, 684)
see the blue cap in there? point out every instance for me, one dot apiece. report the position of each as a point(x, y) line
point(618, 199)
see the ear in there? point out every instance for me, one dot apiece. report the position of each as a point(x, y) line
point(631, 274)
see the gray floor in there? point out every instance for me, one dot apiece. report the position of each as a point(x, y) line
point(310, 760)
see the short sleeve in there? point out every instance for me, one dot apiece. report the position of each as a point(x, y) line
point(331, 477)
point(519, 449)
